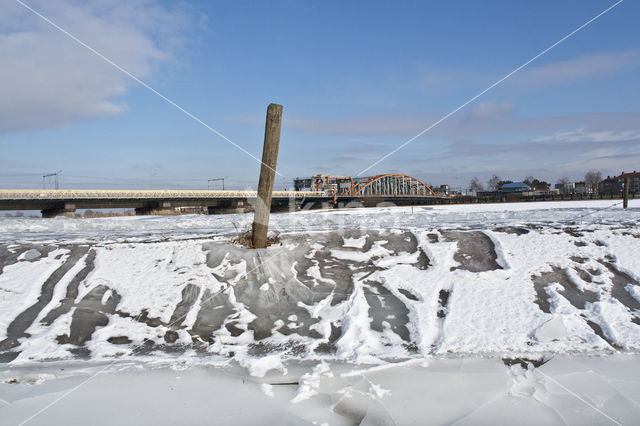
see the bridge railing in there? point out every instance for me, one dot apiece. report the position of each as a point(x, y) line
point(66, 194)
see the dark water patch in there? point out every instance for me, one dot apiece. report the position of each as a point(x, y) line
point(584, 275)
point(214, 310)
point(631, 234)
point(433, 238)
point(542, 297)
point(573, 232)
point(190, 294)
point(148, 347)
point(385, 307)
point(525, 362)
point(84, 323)
point(476, 252)
point(326, 348)
point(330, 347)
point(17, 328)
point(569, 289)
point(274, 292)
point(119, 340)
point(146, 319)
point(594, 272)
point(264, 348)
point(580, 244)
point(578, 259)
point(443, 302)
point(512, 230)
point(598, 331)
point(91, 313)
point(8, 356)
point(619, 290)
point(10, 257)
point(68, 301)
point(81, 352)
point(408, 294)
point(236, 331)
point(170, 336)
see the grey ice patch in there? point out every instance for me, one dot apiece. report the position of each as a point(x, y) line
point(30, 254)
point(280, 284)
point(476, 251)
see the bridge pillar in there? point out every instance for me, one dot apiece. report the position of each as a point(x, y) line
point(56, 209)
point(147, 209)
point(229, 207)
point(352, 204)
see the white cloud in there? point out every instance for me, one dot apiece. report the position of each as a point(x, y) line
point(47, 79)
point(576, 69)
point(582, 135)
point(490, 111)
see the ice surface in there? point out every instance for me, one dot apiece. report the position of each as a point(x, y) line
point(447, 279)
point(565, 390)
point(362, 286)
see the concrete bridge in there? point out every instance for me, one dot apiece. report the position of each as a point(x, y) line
point(55, 201)
point(52, 202)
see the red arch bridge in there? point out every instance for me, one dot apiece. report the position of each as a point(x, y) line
point(385, 185)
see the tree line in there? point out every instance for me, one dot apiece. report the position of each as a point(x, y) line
point(591, 180)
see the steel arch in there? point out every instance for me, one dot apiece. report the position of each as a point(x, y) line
point(396, 184)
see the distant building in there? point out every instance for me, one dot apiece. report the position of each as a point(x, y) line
point(515, 187)
point(566, 188)
point(442, 189)
point(615, 184)
point(634, 182)
point(608, 186)
point(580, 188)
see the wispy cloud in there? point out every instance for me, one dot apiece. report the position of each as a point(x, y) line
point(584, 135)
point(489, 111)
point(47, 80)
point(367, 125)
point(576, 70)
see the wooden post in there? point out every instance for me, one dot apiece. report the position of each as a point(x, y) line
point(267, 175)
point(625, 200)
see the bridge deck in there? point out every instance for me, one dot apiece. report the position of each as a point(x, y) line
point(106, 194)
point(55, 201)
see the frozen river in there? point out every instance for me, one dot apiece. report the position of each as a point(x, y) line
point(394, 315)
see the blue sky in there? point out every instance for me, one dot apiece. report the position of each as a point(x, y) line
point(356, 80)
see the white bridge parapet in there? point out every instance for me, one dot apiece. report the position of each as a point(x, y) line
point(106, 194)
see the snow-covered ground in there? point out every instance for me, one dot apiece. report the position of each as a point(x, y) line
point(459, 287)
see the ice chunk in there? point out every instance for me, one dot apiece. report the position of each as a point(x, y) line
point(267, 389)
point(552, 330)
point(30, 255)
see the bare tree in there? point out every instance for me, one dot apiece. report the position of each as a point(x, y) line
point(476, 185)
point(591, 180)
point(564, 180)
point(494, 183)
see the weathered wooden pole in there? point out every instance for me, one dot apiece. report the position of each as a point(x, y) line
point(267, 175)
point(625, 199)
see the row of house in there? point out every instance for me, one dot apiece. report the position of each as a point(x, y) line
point(615, 184)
